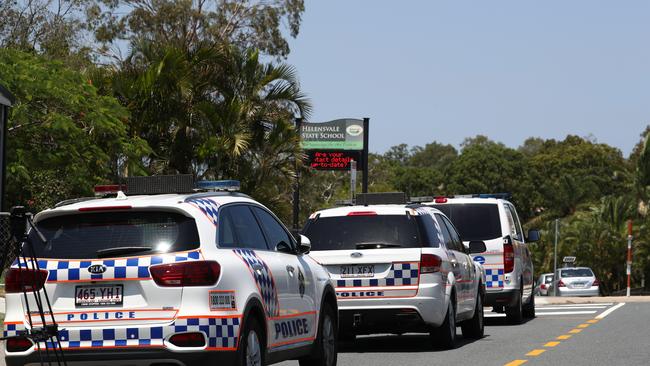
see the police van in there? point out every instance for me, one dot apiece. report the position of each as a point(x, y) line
point(399, 268)
point(492, 220)
point(195, 277)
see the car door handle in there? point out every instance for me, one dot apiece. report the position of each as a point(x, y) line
point(257, 267)
point(290, 269)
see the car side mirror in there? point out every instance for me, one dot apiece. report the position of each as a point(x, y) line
point(284, 247)
point(476, 247)
point(533, 236)
point(304, 246)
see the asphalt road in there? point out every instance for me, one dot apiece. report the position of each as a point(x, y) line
point(560, 335)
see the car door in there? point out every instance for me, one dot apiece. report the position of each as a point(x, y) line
point(522, 252)
point(458, 262)
point(298, 291)
point(240, 230)
point(466, 267)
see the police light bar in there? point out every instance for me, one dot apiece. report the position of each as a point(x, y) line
point(421, 199)
point(384, 198)
point(219, 185)
point(102, 190)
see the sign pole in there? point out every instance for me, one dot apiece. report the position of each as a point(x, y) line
point(629, 256)
point(296, 185)
point(353, 180)
point(557, 221)
point(366, 132)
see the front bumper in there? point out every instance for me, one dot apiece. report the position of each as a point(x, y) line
point(591, 291)
point(131, 357)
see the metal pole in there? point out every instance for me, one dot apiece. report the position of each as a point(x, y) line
point(366, 132)
point(629, 256)
point(353, 180)
point(4, 112)
point(557, 221)
point(296, 185)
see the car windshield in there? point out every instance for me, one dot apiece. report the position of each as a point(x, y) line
point(106, 234)
point(576, 272)
point(474, 221)
point(363, 232)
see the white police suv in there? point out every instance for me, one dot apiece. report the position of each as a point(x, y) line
point(174, 279)
point(398, 268)
point(492, 220)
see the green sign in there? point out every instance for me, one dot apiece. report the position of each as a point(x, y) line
point(340, 134)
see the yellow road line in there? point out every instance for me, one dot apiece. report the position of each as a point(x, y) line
point(535, 352)
point(564, 337)
point(551, 344)
point(574, 331)
point(592, 321)
point(583, 326)
point(516, 363)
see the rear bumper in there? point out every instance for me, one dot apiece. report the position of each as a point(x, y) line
point(592, 291)
point(141, 357)
point(370, 321)
point(501, 298)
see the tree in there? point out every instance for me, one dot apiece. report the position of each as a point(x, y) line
point(63, 137)
point(188, 24)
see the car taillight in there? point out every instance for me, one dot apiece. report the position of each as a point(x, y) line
point(561, 284)
point(508, 255)
point(362, 213)
point(27, 279)
point(596, 283)
point(18, 344)
point(430, 263)
point(542, 286)
point(194, 273)
point(194, 339)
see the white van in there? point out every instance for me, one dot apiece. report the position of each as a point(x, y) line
point(509, 276)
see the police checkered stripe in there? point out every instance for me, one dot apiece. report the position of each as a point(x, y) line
point(400, 274)
point(493, 278)
point(263, 278)
point(127, 268)
point(207, 206)
point(221, 333)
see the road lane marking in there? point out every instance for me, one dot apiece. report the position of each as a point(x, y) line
point(583, 326)
point(609, 311)
point(551, 344)
point(587, 304)
point(567, 312)
point(535, 352)
point(575, 331)
point(570, 308)
point(564, 337)
point(516, 363)
point(592, 321)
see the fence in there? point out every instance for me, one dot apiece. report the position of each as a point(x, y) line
point(9, 248)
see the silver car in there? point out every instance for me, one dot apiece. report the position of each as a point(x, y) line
point(576, 281)
point(543, 284)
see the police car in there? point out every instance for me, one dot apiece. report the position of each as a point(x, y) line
point(174, 279)
point(492, 220)
point(399, 268)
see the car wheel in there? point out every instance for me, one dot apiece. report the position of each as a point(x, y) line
point(445, 335)
point(514, 313)
point(325, 347)
point(473, 328)
point(529, 308)
point(251, 347)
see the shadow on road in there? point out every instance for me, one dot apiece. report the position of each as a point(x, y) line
point(503, 322)
point(396, 344)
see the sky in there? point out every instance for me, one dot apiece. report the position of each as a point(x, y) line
point(442, 71)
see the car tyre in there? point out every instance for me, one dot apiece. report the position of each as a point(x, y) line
point(325, 348)
point(445, 335)
point(474, 327)
point(251, 346)
point(529, 308)
point(514, 313)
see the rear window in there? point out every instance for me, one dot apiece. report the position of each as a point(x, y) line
point(367, 232)
point(474, 221)
point(110, 234)
point(576, 272)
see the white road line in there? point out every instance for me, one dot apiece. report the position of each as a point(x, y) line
point(571, 308)
point(565, 313)
point(609, 311)
point(574, 305)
